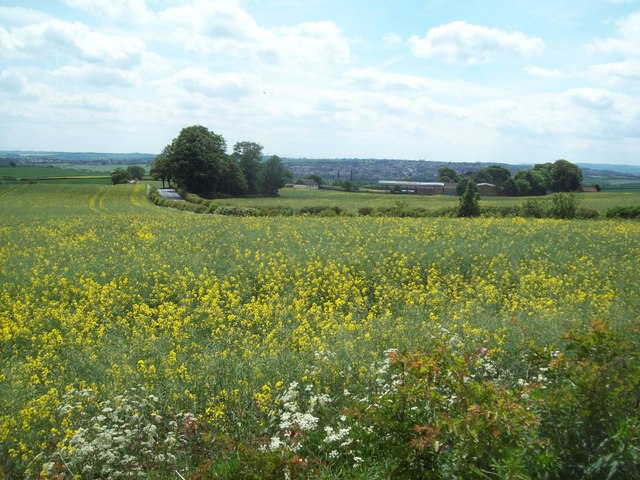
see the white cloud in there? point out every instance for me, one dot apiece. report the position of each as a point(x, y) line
point(74, 39)
point(628, 40)
point(227, 86)
point(21, 16)
point(98, 75)
point(225, 29)
point(543, 72)
point(617, 73)
point(135, 10)
point(591, 98)
point(461, 42)
point(12, 80)
point(392, 40)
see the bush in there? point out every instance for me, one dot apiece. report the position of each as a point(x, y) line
point(232, 210)
point(623, 212)
point(590, 412)
point(533, 208)
point(564, 205)
point(276, 211)
point(469, 206)
point(501, 211)
point(588, 213)
point(317, 210)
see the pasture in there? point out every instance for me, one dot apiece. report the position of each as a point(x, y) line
point(350, 201)
point(53, 175)
point(141, 340)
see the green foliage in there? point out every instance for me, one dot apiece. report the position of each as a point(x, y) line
point(162, 167)
point(197, 158)
point(320, 210)
point(136, 172)
point(249, 157)
point(591, 411)
point(564, 205)
point(447, 174)
point(623, 212)
point(565, 177)
point(274, 176)
point(469, 206)
point(235, 211)
point(533, 208)
point(120, 175)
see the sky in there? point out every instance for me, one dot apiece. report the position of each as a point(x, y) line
point(518, 82)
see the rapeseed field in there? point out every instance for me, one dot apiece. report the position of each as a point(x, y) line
point(140, 341)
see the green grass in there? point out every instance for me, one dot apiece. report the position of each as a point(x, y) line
point(351, 201)
point(216, 316)
point(52, 175)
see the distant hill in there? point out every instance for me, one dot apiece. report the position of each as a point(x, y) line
point(603, 168)
point(25, 157)
point(356, 169)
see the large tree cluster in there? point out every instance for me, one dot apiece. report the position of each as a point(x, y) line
point(196, 161)
point(559, 176)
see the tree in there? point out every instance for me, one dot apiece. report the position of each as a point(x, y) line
point(469, 206)
point(161, 166)
point(461, 187)
point(498, 174)
point(120, 175)
point(233, 181)
point(446, 174)
point(136, 172)
point(197, 158)
point(565, 176)
point(482, 176)
point(249, 156)
point(275, 176)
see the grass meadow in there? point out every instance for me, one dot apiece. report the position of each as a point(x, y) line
point(294, 197)
point(143, 341)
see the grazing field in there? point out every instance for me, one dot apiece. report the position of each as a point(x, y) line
point(53, 175)
point(349, 201)
point(140, 341)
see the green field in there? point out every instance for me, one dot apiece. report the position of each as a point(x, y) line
point(53, 175)
point(137, 339)
point(352, 201)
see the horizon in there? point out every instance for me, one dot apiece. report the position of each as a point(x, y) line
point(331, 159)
point(423, 79)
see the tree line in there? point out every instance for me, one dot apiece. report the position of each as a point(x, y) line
point(559, 176)
point(196, 161)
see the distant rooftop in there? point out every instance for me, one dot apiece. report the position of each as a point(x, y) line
point(411, 184)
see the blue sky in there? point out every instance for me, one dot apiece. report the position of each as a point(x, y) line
point(490, 81)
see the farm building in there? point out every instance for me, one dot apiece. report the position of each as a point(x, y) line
point(306, 183)
point(419, 188)
point(488, 189)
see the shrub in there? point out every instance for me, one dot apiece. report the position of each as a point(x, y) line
point(318, 209)
point(500, 211)
point(588, 213)
point(564, 205)
point(232, 210)
point(591, 412)
point(624, 212)
point(469, 206)
point(533, 208)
